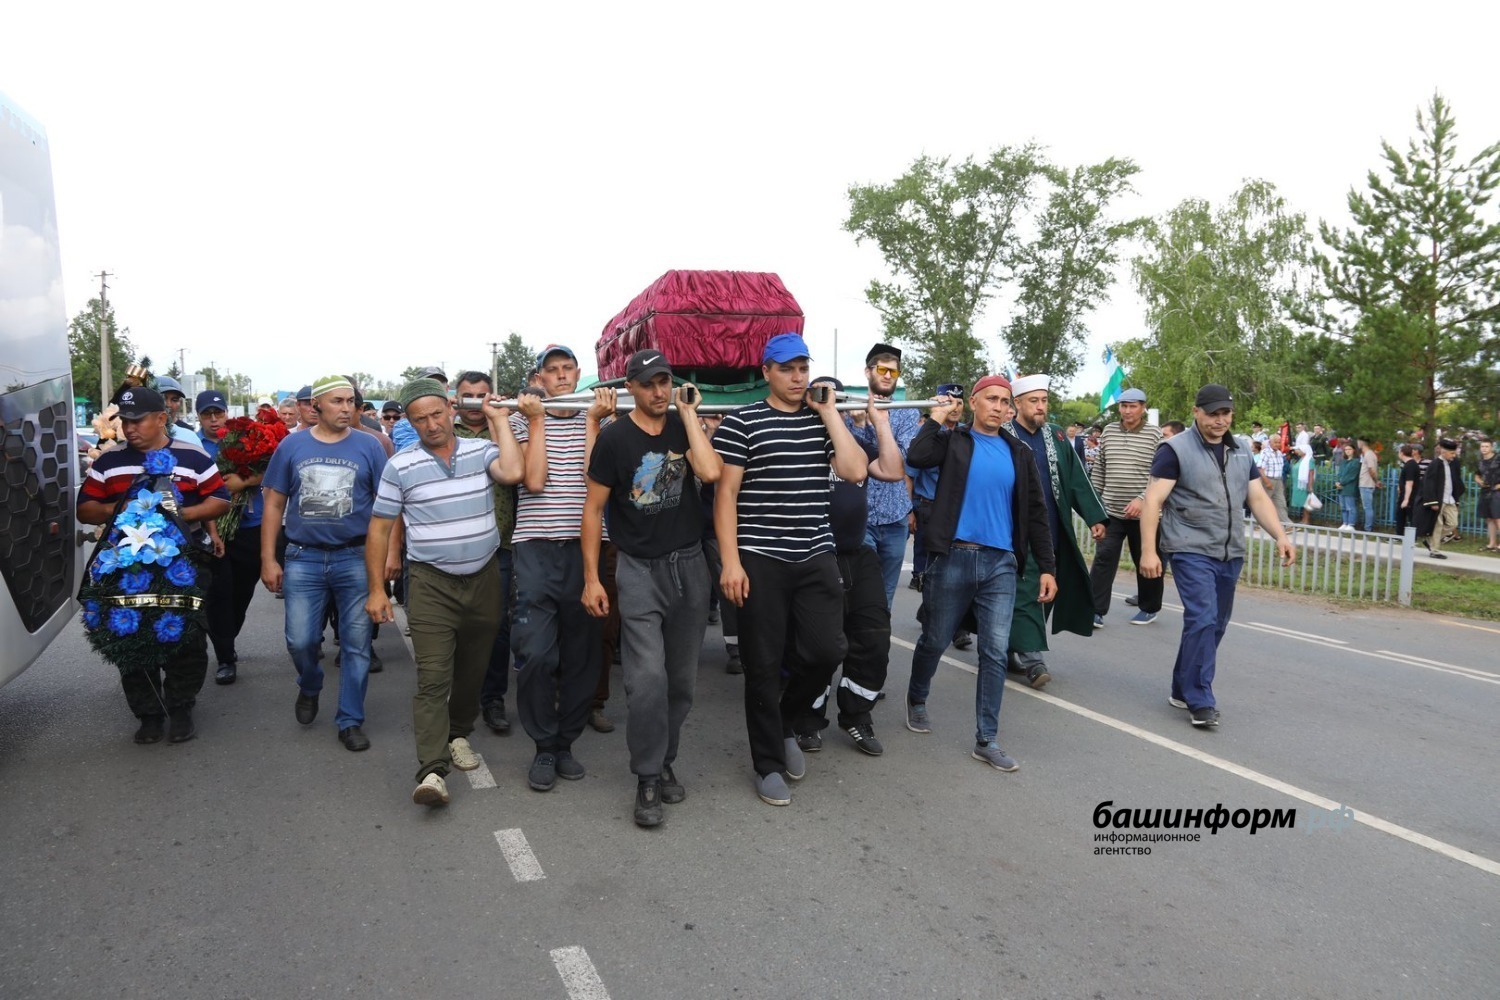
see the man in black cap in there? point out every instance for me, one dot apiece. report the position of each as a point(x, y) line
point(307, 414)
point(1200, 481)
point(389, 414)
point(117, 475)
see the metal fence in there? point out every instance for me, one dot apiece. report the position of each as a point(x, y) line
point(1361, 565)
point(1386, 498)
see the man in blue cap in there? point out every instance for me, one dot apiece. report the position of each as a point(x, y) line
point(173, 395)
point(1121, 472)
point(771, 516)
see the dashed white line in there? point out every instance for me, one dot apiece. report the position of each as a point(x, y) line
point(1292, 633)
point(481, 777)
point(578, 974)
point(518, 854)
point(1265, 780)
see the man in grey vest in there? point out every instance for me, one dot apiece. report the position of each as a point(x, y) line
point(1201, 480)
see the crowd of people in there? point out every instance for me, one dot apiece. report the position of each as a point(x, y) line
point(532, 541)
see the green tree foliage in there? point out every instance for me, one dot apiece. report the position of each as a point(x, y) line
point(948, 234)
point(1413, 286)
point(83, 349)
point(955, 235)
point(1222, 288)
point(1066, 271)
point(1082, 410)
point(513, 365)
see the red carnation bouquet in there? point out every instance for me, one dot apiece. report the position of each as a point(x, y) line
point(245, 447)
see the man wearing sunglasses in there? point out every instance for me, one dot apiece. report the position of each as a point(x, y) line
point(389, 414)
point(890, 505)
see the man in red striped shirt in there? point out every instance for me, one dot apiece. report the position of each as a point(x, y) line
point(143, 414)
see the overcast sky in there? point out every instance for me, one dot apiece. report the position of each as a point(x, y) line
point(288, 190)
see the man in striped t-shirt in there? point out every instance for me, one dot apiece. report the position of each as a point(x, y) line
point(557, 642)
point(441, 488)
point(1120, 474)
point(771, 518)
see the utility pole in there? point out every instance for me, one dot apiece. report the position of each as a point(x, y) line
point(182, 361)
point(212, 371)
point(104, 346)
point(495, 364)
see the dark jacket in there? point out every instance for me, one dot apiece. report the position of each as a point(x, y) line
point(936, 447)
point(1429, 496)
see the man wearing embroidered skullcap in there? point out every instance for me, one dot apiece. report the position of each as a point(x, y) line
point(988, 521)
point(323, 481)
point(1065, 488)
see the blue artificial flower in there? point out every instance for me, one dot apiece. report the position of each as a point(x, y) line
point(124, 621)
point(159, 462)
point(125, 556)
point(145, 502)
point(127, 518)
point(108, 562)
point(160, 551)
point(153, 520)
point(168, 627)
point(135, 582)
point(182, 574)
point(91, 616)
point(171, 532)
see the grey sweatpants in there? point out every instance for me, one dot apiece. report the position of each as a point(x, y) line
point(663, 615)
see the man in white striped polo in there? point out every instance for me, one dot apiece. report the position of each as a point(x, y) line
point(440, 487)
point(1120, 475)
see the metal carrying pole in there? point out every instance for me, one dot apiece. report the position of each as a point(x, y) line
point(625, 402)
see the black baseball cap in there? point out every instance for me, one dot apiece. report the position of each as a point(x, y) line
point(881, 349)
point(434, 372)
point(138, 401)
point(644, 366)
point(210, 399)
point(1214, 397)
point(391, 406)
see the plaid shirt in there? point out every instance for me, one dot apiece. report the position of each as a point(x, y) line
point(1271, 463)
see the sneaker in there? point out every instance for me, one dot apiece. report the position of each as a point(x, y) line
point(464, 757)
point(543, 773)
point(180, 726)
point(152, 729)
point(992, 755)
point(916, 717)
point(1176, 702)
point(672, 791)
point(1038, 676)
point(1346, 527)
point(772, 790)
point(864, 739)
point(354, 739)
point(732, 664)
point(600, 721)
point(1098, 621)
point(495, 718)
point(433, 791)
point(1134, 600)
point(568, 766)
point(1205, 717)
point(307, 708)
point(1143, 618)
point(962, 640)
point(810, 742)
point(1438, 555)
point(225, 674)
point(648, 811)
point(796, 764)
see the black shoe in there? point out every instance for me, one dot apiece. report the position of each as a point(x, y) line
point(810, 742)
point(568, 767)
point(713, 616)
point(494, 717)
point(732, 665)
point(151, 730)
point(225, 674)
point(376, 664)
point(672, 791)
point(543, 773)
point(354, 739)
point(180, 728)
point(307, 708)
point(1205, 717)
point(1134, 600)
point(963, 640)
point(1038, 676)
point(648, 811)
point(1438, 555)
point(916, 582)
point(864, 739)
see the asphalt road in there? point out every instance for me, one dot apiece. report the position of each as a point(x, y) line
point(262, 860)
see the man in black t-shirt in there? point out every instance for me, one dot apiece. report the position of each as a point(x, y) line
point(641, 478)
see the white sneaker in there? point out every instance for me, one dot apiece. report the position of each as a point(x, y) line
point(1346, 527)
point(464, 757)
point(433, 791)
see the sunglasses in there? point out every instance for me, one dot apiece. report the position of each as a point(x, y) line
point(887, 370)
point(390, 416)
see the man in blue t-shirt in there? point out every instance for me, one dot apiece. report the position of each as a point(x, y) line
point(324, 481)
point(236, 565)
point(988, 517)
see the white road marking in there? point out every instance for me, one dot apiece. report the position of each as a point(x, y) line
point(1447, 668)
point(1482, 628)
point(1275, 784)
point(1293, 633)
point(523, 863)
point(578, 974)
point(481, 777)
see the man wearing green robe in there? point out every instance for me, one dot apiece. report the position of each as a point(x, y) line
point(1066, 487)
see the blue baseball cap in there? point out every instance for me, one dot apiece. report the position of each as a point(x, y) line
point(1132, 396)
point(210, 399)
point(785, 347)
point(304, 394)
point(166, 384)
point(551, 349)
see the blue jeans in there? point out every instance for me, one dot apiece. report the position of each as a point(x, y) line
point(1347, 505)
point(1205, 586)
point(986, 580)
point(1367, 500)
point(313, 577)
point(889, 543)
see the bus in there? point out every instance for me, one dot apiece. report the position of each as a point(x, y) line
point(41, 546)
